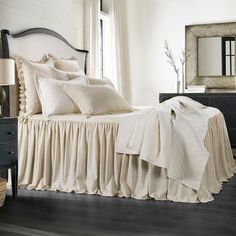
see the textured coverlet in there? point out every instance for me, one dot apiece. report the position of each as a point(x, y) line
point(170, 135)
point(72, 153)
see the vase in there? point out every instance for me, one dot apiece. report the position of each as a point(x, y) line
point(183, 79)
point(178, 86)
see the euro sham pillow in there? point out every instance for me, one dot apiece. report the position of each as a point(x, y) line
point(28, 97)
point(69, 65)
point(54, 99)
point(97, 99)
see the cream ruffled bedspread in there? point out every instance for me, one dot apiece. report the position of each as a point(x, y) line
point(73, 153)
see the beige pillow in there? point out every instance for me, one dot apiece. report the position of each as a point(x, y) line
point(53, 98)
point(28, 98)
point(65, 75)
point(103, 81)
point(70, 65)
point(97, 99)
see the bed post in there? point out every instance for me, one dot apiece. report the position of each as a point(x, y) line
point(5, 109)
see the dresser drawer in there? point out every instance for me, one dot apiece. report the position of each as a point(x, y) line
point(230, 120)
point(232, 137)
point(8, 133)
point(8, 153)
point(223, 103)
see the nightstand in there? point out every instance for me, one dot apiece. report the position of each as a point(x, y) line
point(8, 149)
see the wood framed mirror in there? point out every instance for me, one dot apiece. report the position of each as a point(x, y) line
point(210, 55)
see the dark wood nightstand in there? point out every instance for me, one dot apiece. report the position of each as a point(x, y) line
point(8, 150)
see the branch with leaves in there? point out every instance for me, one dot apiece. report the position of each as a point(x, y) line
point(171, 59)
point(172, 62)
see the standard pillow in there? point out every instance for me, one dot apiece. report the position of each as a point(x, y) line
point(28, 97)
point(97, 99)
point(77, 81)
point(53, 98)
point(103, 81)
point(69, 65)
point(65, 75)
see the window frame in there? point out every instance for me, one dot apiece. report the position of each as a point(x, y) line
point(224, 40)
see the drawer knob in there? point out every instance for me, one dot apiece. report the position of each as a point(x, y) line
point(11, 153)
point(10, 132)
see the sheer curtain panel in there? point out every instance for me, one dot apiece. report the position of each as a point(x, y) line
point(116, 45)
point(91, 36)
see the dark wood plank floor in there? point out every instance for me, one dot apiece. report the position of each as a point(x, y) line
point(53, 213)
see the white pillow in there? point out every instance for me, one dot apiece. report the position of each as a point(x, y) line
point(53, 98)
point(97, 99)
point(28, 97)
point(70, 65)
point(103, 81)
point(65, 75)
point(76, 81)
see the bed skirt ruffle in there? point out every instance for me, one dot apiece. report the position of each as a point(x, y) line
point(80, 156)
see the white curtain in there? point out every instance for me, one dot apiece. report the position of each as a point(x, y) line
point(116, 45)
point(91, 36)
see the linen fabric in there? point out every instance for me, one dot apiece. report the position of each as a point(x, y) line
point(158, 136)
point(72, 153)
point(65, 75)
point(103, 81)
point(53, 98)
point(28, 98)
point(69, 65)
point(97, 99)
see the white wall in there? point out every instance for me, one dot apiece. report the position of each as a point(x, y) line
point(63, 16)
point(147, 24)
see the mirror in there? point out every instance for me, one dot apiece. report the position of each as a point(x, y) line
point(210, 55)
point(216, 56)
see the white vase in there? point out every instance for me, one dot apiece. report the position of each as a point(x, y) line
point(178, 86)
point(183, 79)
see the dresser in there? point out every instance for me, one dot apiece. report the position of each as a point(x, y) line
point(225, 102)
point(8, 150)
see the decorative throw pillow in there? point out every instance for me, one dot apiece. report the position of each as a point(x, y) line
point(103, 81)
point(28, 97)
point(97, 99)
point(53, 98)
point(69, 65)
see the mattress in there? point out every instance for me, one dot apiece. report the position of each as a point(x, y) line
point(74, 153)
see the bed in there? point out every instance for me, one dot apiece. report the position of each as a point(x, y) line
point(74, 153)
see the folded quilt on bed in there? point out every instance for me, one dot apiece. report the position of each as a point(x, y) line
point(170, 135)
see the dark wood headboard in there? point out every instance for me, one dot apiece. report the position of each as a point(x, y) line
point(225, 102)
point(11, 45)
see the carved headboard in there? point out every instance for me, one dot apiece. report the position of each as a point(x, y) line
point(33, 44)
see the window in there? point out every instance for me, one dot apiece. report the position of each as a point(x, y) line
point(228, 56)
point(104, 6)
point(104, 39)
